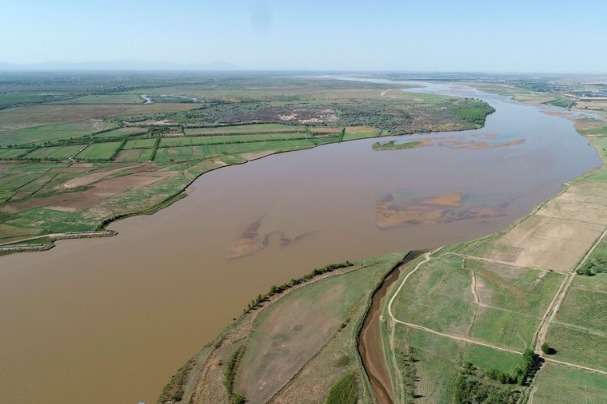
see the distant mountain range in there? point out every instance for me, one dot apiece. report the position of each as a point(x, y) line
point(116, 65)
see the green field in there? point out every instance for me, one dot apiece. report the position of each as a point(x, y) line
point(134, 155)
point(355, 135)
point(13, 153)
point(206, 140)
point(54, 153)
point(561, 384)
point(99, 151)
point(139, 144)
point(448, 304)
point(244, 129)
point(180, 153)
point(41, 134)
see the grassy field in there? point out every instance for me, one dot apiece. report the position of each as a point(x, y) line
point(245, 129)
point(558, 384)
point(99, 151)
point(140, 144)
point(54, 153)
point(44, 133)
point(13, 153)
point(135, 155)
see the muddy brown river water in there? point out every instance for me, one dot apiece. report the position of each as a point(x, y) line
point(110, 320)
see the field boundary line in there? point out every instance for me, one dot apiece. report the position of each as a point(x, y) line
point(556, 303)
point(455, 337)
point(575, 366)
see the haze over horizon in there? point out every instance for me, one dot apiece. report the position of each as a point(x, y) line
point(389, 35)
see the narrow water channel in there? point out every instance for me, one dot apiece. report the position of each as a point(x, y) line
point(110, 320)
point(370, 344)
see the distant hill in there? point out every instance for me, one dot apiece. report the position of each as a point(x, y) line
point(116, 65)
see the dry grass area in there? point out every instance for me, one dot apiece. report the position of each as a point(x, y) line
point(286, 337)
point(583, 201)
point(559, 233)
point(546, 242)
point(36, 115)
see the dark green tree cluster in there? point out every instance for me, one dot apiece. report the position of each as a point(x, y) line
point(474, 386)
point(230, 374)
point(595, 265)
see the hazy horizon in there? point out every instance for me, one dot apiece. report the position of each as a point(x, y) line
point(389, 35)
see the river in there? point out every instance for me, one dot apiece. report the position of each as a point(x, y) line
point(110, 320)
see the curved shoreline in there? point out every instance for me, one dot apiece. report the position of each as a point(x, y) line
point(183, 192)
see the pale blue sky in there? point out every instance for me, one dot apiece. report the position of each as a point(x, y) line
point(424, 35)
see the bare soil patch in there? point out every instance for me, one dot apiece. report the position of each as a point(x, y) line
point(583, 201)
point(547, 243)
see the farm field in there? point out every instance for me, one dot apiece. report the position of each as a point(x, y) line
point(574, 385)
point(99, 151)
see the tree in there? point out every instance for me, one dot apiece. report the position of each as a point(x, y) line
point(547, 349)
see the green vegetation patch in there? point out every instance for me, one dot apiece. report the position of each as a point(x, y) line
point(140, 144)
point(435, 363)
point(46, 133)
point(562, 102)
point(586, 309)
point(562, 384)
point(578, 345)
point(345, 391)
point(596, 263)
point(7, 154)
point(49, 221)
point(437, 296)
point(474, 111)
point(53, 153)
point(596, 130)
point(392, 145)
point(135, 156)
point(104, 99)
point(488, 358)
point(234, 129)
point(99, 151)
point(180, 153)
point(504, 328)
point(525, 290)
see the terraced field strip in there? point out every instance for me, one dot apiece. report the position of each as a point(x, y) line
point(99, 151)
point(13, 153)
point(53, 153)
point(244, 129)
point(140, 144)
point(560, 297)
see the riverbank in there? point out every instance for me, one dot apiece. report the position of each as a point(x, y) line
point(312, 342)
point(495, 297)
